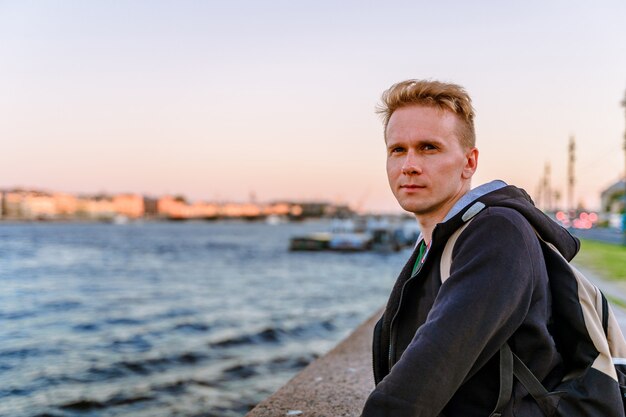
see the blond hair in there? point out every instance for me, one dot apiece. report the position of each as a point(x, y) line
point(445, 96)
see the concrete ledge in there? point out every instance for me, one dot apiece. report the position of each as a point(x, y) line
point(336, 384)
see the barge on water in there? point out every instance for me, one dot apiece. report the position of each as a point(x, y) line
point(355, 236)
point(348, 242)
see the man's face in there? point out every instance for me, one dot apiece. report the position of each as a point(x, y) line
point(427, 167)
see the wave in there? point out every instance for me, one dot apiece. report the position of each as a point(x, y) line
point(86, 327)
point(86, 404)
point(180, 386)
point(136, 343)
point(22, 353)
point(193, 327)
point(19, 315)
point(116, 370)
point(143, 367)
point(154, 394)
point(62, 305)
point(176, 312)
point(279, 364)
point(276, 334)
point(47, 415)
point(124, 321)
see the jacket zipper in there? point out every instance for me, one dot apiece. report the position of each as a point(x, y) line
point(392, 333)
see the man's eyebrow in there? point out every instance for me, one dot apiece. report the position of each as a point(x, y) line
point(398, 144)
point(418, 143)
point(430, 142)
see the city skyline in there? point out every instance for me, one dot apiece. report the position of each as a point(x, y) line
point(218, 101)
point(35, 205)
point(177, 195)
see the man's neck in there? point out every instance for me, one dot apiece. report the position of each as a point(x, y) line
point(428, 221)
point(427, 226)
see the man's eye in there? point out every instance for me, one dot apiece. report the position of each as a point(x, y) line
point(397, 149)
point(429, 147)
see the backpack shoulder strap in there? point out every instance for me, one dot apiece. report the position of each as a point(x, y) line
point(446, 255)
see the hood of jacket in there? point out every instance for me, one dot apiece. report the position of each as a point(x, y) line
point(498, 194)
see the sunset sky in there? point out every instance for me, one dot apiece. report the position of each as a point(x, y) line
point(221, 100)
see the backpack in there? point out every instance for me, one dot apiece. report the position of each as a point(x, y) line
point(585, 333)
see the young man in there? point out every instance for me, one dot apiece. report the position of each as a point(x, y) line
point(436, 346)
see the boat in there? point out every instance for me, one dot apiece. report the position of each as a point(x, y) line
point(356, 235)
point(312, 242)
point(274, 219)
point(350, 241)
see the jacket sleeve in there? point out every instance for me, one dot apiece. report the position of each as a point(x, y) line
point(476, 311)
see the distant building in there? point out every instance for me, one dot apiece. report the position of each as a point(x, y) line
point(129, 205)
point(177, 208)
point(36, 205)
point(13, 205)
point(613, 205)
point(27, 205)
point(30, 205)
point(172, 208)
point(613, 199)
point(151, 206)
point(66, 205)
point(323, 209)
point(240, 210)
point(314, 209)
point(99, 207)
point(277, 209)
point(341, 211)
point(203, 210)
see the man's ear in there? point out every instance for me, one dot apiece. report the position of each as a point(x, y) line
point(471, 163)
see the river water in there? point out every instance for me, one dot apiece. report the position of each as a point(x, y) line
point(170, 319)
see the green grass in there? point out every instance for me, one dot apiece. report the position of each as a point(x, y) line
point(616, 301)
point(608, 260)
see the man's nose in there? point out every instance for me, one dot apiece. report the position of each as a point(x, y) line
point(411, 164)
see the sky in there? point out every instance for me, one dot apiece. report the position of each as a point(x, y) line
point(233, 100)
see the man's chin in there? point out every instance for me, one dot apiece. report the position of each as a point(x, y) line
point(413, 207)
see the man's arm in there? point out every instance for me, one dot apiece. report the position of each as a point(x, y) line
point(476, 311)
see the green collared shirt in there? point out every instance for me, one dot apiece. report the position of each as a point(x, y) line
point(422, 249)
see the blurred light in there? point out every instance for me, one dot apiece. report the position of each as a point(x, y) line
point(582, 224)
